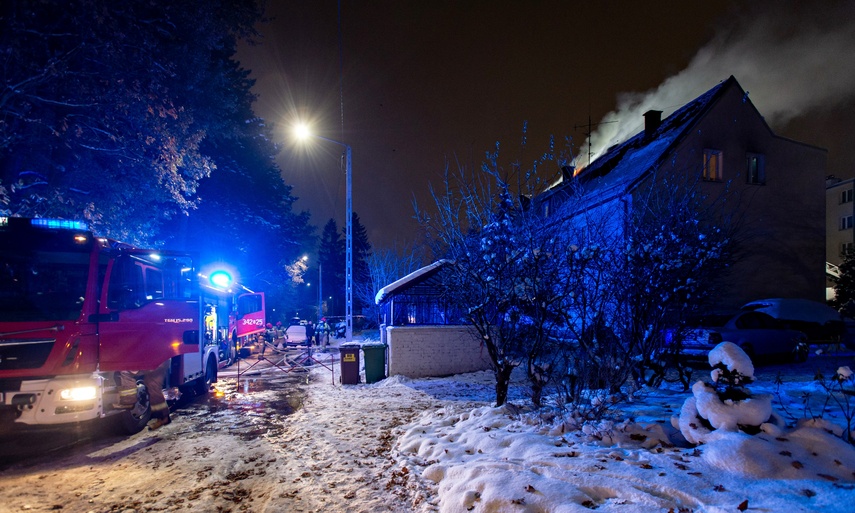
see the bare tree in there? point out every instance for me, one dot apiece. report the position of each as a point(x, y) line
point(506, 262)
point(384, 267)
point(679, 242)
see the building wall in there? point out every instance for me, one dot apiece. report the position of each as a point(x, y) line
point(838, 206)
point(434, 351)
point(839, 221)
point(783, 221)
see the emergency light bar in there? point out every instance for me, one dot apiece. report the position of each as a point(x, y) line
point(55, 224)
point(61, 224)
point(220, 279)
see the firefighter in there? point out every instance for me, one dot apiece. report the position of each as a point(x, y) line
point(153, 381)
point(324, 330)
point(159, 409)
point(127, 391)
point(267, 338)
point(310, 333)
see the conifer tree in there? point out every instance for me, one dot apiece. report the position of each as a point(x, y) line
point(331, 258)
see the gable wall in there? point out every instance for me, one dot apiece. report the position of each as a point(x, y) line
point(783, 220)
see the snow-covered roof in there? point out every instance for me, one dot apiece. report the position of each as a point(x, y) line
point(410, 279)
point(623, 165)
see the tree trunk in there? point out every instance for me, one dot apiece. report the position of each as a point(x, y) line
point(503, 380)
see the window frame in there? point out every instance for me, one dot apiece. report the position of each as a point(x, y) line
point(713, 163)
point(755, 175)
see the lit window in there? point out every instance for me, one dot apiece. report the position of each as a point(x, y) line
point(755, 172)
point(712, 165)
point(846, 196)
point(845, 222)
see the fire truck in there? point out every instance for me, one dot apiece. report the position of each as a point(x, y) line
point(76, 310)
point(234, 314)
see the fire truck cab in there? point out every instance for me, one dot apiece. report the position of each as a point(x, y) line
point(76, 310)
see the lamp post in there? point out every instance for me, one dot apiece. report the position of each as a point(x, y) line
point(303, 133)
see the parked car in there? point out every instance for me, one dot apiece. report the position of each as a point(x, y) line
point(296, 335)
point(757, 333)
point(338, 324)
point(821, 323)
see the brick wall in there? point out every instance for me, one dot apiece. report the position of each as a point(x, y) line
point(434, 351)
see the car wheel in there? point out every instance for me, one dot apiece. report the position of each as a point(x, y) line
point(130, 422)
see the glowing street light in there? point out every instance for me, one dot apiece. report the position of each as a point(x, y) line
point(302, 132)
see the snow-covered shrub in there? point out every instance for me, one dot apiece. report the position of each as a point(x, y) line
point(840, 389)
point(726, 404)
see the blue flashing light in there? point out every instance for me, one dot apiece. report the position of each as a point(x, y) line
point(59, 224)
point(221, 279)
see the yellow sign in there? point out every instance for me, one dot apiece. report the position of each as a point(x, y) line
point(349, 357)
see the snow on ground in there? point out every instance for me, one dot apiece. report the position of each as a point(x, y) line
point(497, 459)
point(438, 445)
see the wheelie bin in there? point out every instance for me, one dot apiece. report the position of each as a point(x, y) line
point(349, 364)
point(375, 362)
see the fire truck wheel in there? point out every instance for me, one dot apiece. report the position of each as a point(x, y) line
point(203, 385)
point(134, 420)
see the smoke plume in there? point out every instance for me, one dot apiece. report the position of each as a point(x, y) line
point(791, 58)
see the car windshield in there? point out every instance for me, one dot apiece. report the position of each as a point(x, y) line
point(40, 279)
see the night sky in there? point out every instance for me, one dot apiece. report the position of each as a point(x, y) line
point(430, 82)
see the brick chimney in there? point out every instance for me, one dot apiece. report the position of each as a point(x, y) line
point(652, 120)
point(567, 173)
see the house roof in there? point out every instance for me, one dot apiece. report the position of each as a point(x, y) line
point(410, 280)
point(623, 165)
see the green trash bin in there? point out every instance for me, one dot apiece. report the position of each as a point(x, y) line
point(375, 362)
point(349, 364)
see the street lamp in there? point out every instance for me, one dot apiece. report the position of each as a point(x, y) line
point(303, 132)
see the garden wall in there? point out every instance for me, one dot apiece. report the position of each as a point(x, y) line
point(434, 351)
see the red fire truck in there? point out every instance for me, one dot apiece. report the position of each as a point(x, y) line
point(76, 310)
point(233, 313)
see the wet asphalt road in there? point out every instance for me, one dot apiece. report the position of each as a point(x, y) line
point(257, 406)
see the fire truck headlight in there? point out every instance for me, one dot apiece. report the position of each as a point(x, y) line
point(77, 394)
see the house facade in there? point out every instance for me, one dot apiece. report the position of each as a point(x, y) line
point(774, 188)
point(839, 225)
